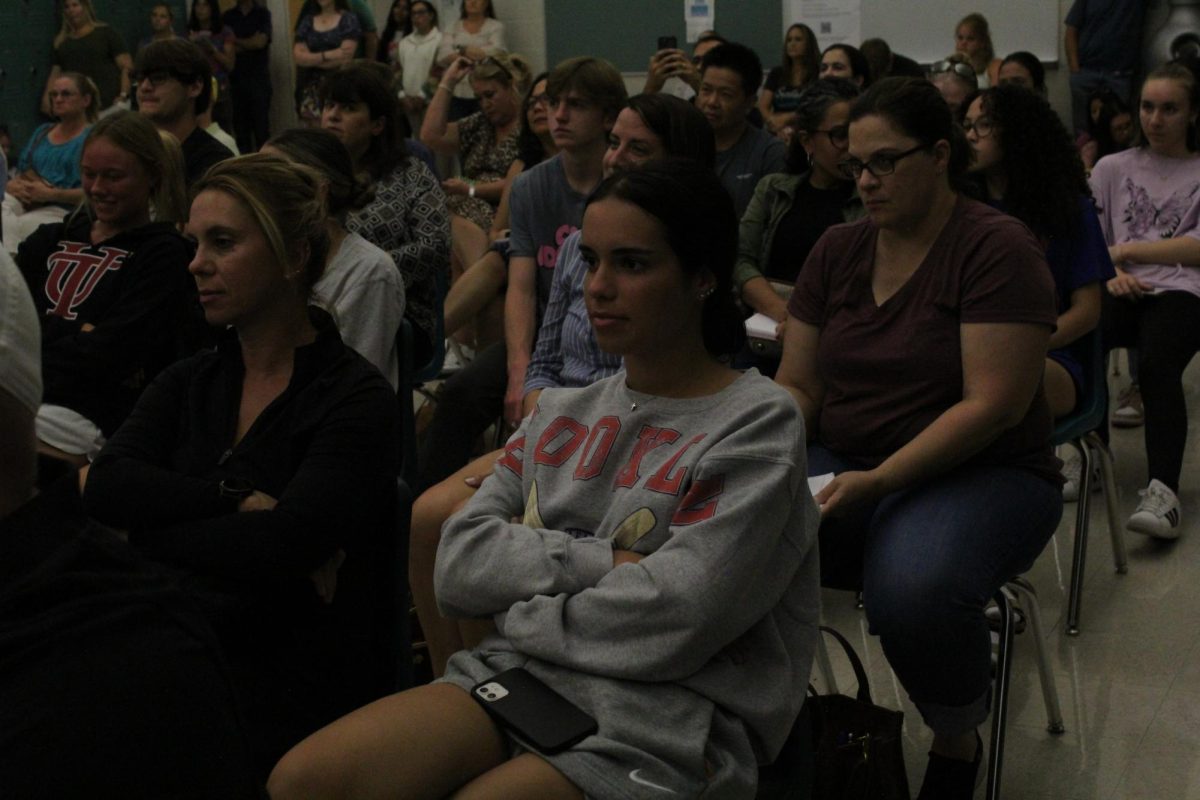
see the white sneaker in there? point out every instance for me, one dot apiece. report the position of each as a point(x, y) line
point(1157, 514)
point(1072, 470)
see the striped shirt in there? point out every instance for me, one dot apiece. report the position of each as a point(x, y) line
point(566, 353)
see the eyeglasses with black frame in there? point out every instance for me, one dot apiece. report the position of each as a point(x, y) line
point(878, 165)
point(839, 136)
point(983, 126)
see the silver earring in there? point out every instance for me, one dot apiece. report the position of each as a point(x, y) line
point(707, 293)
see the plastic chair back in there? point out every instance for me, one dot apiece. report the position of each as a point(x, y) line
point(1092, 407)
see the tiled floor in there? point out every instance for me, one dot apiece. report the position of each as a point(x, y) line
point(1129, 684)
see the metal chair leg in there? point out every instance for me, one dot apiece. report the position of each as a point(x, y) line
point(1079, 558)
point(1027, 600)
point(1018, 592)
point(1000, 694)
point(1108, 476)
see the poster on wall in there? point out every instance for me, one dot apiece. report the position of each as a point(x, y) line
point(833, 21)
point(699, 17)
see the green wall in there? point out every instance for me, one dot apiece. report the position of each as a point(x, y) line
point(626, 31)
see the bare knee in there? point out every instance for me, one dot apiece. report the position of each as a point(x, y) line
point(1060, 389)
point(304, 773)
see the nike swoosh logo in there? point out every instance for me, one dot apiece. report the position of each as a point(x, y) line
point(633, 776)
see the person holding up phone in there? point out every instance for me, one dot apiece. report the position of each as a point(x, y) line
point(671, 62)
point(647, 504)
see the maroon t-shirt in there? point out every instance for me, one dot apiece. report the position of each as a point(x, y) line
point(891, 370)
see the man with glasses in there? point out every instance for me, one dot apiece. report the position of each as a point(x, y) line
point(173, 82)
point(729, 78)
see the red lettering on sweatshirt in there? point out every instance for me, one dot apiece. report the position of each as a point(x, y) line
point(700, 502)
point(512, 458)
point(649, 437)
point(595, 454)
point(663, 481)
point(554, 453)
point(74, 275)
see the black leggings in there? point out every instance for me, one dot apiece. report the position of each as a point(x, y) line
point(1165, 329)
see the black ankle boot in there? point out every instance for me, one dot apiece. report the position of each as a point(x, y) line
point(950, 778)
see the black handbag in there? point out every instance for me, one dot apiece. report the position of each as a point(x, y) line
point(858, 745)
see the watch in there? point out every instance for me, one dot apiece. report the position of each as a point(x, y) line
point(236, 488)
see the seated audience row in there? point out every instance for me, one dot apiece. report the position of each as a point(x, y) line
point(263, 473)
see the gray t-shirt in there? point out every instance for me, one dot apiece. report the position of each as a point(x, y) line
point(543, 211)
point(363, 291)
point(756, 154)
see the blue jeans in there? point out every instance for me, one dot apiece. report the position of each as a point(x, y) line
point(928, 559)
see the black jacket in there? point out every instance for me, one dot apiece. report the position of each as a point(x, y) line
point(328, 450)
point(134, 291)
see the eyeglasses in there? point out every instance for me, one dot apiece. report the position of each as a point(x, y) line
point(64, 93)
point(983, 127)
point(156, 77)
point(838, 137)
point(879, 164)
point(542, 99)
point(957, 67)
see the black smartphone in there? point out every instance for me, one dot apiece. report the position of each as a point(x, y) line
point(668, 43)
point(534, 711)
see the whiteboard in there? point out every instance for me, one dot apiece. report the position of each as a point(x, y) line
point(924, 29)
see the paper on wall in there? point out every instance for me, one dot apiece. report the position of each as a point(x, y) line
point(698, 17)
point(833, 21)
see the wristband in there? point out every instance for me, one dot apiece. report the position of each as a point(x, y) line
point(236, 488)
point(471, 191)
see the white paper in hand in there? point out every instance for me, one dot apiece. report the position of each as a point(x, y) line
point(818, 482)
point(760, 326)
